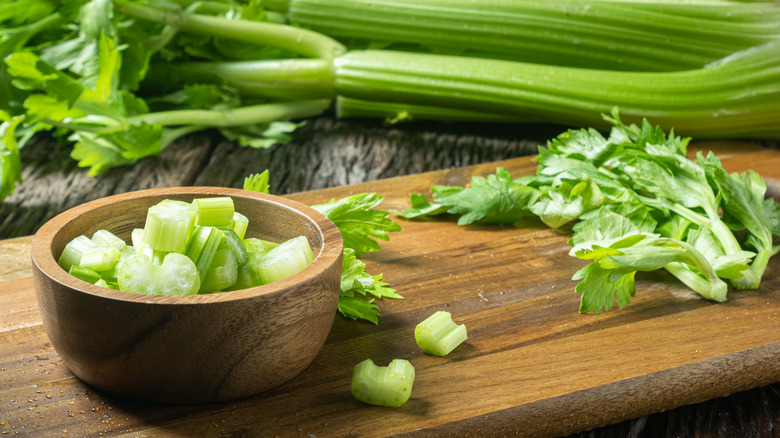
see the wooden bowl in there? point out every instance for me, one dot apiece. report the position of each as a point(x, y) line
point(197, 348)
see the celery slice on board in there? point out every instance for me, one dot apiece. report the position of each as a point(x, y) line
point(438, 334)
point(383, 386)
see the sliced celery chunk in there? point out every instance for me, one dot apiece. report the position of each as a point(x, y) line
point(222, 273)
point(240, 224)
point(214, 212)
point(101, 258)
point(85, 274)
point(259, 246)
point(438, 334)
point(168, 225)
point(137, 240)
point(383, 386)
point(107, 238)
point(203, 246)
point(289, 258)
point(74, 250)
point(177, 275)
point(235, 244)
point(110, 275)
point(247, 277)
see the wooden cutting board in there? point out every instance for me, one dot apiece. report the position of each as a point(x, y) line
point(532, 365)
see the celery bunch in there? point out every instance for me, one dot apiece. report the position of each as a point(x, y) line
point(635, 202)
point(120, 80)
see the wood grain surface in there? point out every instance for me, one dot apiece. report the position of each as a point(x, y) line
point(532, 365)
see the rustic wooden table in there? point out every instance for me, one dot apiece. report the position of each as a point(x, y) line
point(39, 396)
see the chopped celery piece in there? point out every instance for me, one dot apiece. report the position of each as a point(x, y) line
point(253, 244)
point(214, 212)
point(85, 274)
point(240, 224)
point(137, 240)
point(222, 273)
point(247, 277)
point(101, 258)
point(203, 245)
point(438, 334)
point(107, 238)
point(168, 225)
point(177, 275)
point(235, 244)
point(285, 260)
point(111, 275)
point(383, 386)
point(73, 251)
point(106, 284)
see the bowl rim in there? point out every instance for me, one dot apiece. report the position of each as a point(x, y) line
point(330, 253)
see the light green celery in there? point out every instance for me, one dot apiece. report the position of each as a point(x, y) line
point(259, 246)
point(203, 246)
point(85, 274)
point(217, 7)
point(298, 40)
point(737, 97)
point(137, 240)
point(101, 258)
point(107, 238)
point(438, 334)
point(74, 250)
point(383, 386)
point(168, 225)
point(239, 225)
point(214, 212)
point(176, 275)
point(235, 245)
point(660, 36)
point(287, 259)
point(222, 274)
point(401, 112)
point(282, 79)
point(247, 115)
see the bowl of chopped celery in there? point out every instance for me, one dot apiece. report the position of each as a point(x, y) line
point(122, 310)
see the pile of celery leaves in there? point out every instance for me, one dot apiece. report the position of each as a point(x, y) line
point(635, 202)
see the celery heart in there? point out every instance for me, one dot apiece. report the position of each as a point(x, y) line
point(177, 275)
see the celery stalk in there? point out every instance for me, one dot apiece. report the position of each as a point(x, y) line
point(438, 334)
point(383, 386)
point(613, 34)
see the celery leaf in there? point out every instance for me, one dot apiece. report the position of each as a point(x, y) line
point(361, 225)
